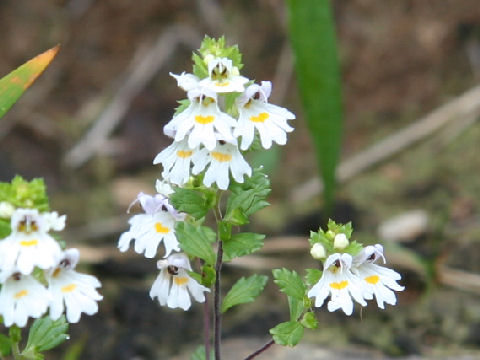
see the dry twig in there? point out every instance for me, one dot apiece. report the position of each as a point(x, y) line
point(464, 106)
point(141, 71)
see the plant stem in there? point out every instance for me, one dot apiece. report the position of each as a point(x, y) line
point(259, 351)
point(206, 328)
point(216, 305)
point(16, 351)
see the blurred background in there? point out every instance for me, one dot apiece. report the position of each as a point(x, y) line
point(92, 124)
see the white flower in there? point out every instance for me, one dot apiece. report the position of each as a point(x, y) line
point(340, 242)
point(176, 160)
point(150, 229)
point(163, 188)
point(338, 281)
point(71, 290)
point(28, 245)
point(173, 285)
point(201, 121)
point(186, 81)
point(22, 297)
point(223, 159)
point(378, 280)
point(256, 113)
point(53, 221)
point(223, 77)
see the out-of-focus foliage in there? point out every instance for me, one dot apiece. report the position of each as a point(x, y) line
point(312, 34)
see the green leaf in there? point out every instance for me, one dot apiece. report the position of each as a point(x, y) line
point(224, 230)
point(313, 275)
point(196, 241)
point(289, 283)
point(45, 334)
point(287, 333)
point(296, 308)
point(5, 345)
point(182, 105)
point(5, 228)
point(24, 194)
point(309, 320)
point(247, 198)
point(13, 85)
point(242, 244)
point(312, 34)
point(340, 228)
point(244, 290)
point(199, 354)
point(353, 248)
point(191, 201)
point(208, 277)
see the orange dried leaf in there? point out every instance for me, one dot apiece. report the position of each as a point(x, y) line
point(13, 85)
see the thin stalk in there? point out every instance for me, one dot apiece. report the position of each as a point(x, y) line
point(206, 320)
point(217, 305)
point(206, 328)
point(259, 351)
point(16, 351)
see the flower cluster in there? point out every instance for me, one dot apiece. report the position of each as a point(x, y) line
point(148, 230)
point(205, 137)
point(346, 276)
point(36, 275)
point(220, 118)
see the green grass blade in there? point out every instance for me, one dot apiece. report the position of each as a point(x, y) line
point(312, 34)
point(13, 85)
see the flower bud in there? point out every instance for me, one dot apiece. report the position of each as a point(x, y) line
point(208, 58)
point(6, 209)
point(340, 242)
point(318, 251)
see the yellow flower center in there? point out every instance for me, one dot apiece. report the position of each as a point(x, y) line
point(68, 288)
point(221, 157)
point(339, 285)
point(159, 228)
point(260, 118)
point(184, 154)
point(373, 279)
point(204, 119)
point(226, 83)
point(28, 243)
point(20, 294)
point(180, 280)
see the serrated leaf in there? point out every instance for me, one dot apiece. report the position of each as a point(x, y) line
point(247, 198)
point(296, 308)
point(353, 248)
point(25, 194)
point(5, 345)
point(244, 290)
point(313, 276)
point(309, 320)
point(312, 34)
point(340, 228)
point(242, 244)
point(45, 334)
point(191, 201)
point(199, 354)
point(196, 241)
point(13, 85)
point(289, 283)
point(287, 333)
point(208, 277)
point(182, 105)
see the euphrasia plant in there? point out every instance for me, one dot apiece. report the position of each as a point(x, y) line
point(206, 177)
point(37, 274)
